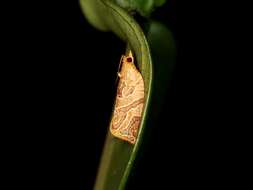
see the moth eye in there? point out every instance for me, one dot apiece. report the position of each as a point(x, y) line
point(129, 59)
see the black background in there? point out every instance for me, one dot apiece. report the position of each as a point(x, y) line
point(62, 91)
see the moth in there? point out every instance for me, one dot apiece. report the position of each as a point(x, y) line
point(129, 101)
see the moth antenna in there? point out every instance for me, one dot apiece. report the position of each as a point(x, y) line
point(118, 73)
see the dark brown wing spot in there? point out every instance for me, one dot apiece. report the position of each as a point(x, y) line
point(134, 125)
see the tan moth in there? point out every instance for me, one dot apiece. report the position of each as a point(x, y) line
point(129, 101)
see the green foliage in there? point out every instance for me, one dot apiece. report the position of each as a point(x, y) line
point(143, 7)
point(119, 156)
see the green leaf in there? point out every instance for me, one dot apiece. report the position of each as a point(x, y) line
point(91, 10)
point(159, 3)
point(118, 156)
point(143, 7)
point(158, 35)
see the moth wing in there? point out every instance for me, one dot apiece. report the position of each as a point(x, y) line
point(128, 107)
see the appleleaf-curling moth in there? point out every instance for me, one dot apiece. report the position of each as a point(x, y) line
point(129, 103)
